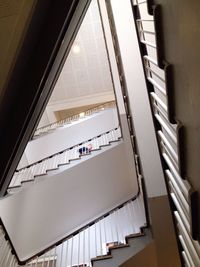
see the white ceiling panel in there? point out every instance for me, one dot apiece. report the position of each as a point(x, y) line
point(85, 72)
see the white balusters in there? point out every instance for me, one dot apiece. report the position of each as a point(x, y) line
point(88, 243)
point(71, 119)
point(168, 138)
point(89, 255)
point(6, 256)
point(41, 168)
point(72, 243)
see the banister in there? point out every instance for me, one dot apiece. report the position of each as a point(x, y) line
point(185, 187)
point(188, 241)
point(170, 132)
point(66, 120)
point(28, 166)
point(179, 192)
point(71, 235)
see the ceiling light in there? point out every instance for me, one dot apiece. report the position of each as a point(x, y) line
point(82, 114)
point(76, 49)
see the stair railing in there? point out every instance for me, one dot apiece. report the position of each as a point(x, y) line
point(89, 112)
point(125, 96)
point(90, 242)
point(169, 132)
point(62, 158)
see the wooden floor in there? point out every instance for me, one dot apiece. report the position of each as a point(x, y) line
point(181, 35)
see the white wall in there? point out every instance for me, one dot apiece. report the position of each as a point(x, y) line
point(49, 210)
point(44, 120)
point(138, 97)
point(117, 86)
point(23, 162)
point(93, 241)
point(112, 59)
point(71, 135)
point(85, 77)
point(78, 101)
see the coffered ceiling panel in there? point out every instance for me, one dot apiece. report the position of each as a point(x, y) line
point(86, 70)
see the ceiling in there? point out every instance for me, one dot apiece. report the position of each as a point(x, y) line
point(85, 78)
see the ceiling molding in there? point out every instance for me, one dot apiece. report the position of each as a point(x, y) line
point(81, 101)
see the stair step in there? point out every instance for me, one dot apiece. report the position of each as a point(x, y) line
point(118, 246)
point(147, 20)
point(103, 257)
point(116, 258)
point(134, 235)
point(151, 60)
point(153, 82)
point(148, 43)
point(49, 165)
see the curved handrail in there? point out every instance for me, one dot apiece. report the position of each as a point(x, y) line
point(60, 152)
point(91, 223)
point(63, 157)
point(169, 131)
point(72, 118)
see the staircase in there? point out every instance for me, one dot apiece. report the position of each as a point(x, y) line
point(118, 232)
point(120, 229)
point(169, 131)
point(115, 230)
point(64, 158)
point(119, 253)
point(69, 120)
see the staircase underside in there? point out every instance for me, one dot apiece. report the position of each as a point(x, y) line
point(61, 191)
point(181, 40)
point(146, 257)
point(120, 254)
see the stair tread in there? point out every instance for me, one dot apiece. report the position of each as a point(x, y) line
point(119, 246)
point(103, 257)
point(151, 59)
point(135, 235)
point(148, 43)
point(53, 163)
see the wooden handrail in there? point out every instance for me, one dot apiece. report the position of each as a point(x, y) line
point(98, 107)
point(70, 235)
point(60, 152)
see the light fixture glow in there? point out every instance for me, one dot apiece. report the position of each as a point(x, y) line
point(82, 114)
point(76, 49)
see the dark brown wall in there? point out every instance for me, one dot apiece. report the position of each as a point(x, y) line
point(181, 40)
point(14, 19)
point(31, 50)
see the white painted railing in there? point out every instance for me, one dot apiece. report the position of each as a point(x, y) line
point(90, 242)
point(167, 136)
point(53, 126)
point(191, 247)
point(6, 256)
point(29, 173)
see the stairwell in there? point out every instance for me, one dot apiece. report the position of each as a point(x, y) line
point(51, 168)
point(105, 241)
point(170, 131)
point(108, 241)
point(63, 160)
point(119, 254)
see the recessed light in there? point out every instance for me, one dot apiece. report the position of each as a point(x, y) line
point(76, 49)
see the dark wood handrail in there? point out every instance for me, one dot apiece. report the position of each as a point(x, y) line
point(60, 152)
point(91, 109)
point(73, 233)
